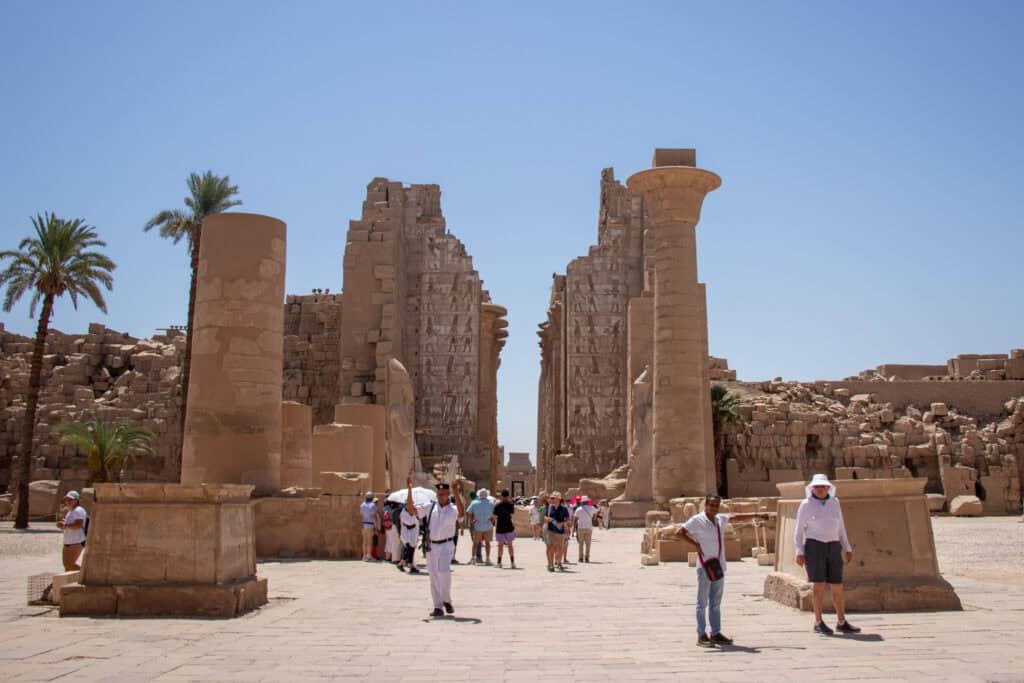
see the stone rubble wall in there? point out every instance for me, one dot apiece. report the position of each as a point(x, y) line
point(312, 352)
point(103, 372)
point(793, 430)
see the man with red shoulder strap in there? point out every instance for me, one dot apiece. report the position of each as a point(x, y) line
point(706, 532)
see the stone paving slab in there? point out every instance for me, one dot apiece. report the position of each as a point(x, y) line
point(609, 620)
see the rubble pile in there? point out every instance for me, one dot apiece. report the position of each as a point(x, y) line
point(104, 372)
point(791, 430)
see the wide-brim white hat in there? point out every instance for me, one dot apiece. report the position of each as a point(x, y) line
point(820, 480)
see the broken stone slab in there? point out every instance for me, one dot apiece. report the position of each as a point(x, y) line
point(344, 483)
point(966, 506)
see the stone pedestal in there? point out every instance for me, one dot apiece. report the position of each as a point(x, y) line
point(169, 550)
point(673, 193)
point(630, 513)
point(296, 445)
point(894, 564)
point(233, 418)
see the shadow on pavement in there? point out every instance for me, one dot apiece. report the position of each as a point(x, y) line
point(865, 637)
point(460, 620)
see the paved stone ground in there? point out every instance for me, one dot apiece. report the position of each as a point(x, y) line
point(609, 620)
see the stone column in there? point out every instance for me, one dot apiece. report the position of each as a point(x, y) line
point(673, 192)
point(233, 418)
point(487, 399)
point(296, 445)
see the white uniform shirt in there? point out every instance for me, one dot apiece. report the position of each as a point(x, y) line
point(584, 517)
point(707, 534)
point(822, 521)
point(75, 536)
point(442, 520)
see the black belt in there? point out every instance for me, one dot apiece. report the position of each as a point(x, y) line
point(410, 526)
point(445, 540)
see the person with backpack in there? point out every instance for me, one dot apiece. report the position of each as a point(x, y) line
point(73, 525)
point(441, 518)
point(706, 531)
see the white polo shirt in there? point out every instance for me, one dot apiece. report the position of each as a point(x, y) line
point(77, 535)
point(707, 534)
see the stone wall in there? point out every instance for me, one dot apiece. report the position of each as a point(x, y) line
point(102, 372)
point(312, 352)
point(793, 430)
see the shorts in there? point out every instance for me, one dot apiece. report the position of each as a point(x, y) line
point(479, 536)
point(823, 561)
point(554, 538)
point(507, 538)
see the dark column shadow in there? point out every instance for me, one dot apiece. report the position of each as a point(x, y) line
point(864, 637)
point(736, 648)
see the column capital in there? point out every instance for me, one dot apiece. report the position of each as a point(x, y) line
point(674, 194)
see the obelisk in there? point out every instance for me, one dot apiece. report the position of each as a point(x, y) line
point(673, 192)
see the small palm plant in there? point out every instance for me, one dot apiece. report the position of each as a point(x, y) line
point(208, 194)
point(725, 409)
point(58, 260)
point(108, 447)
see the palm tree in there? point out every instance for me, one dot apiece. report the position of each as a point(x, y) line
point(55, 262)
point(108, 447)
point(208, 194)
point(725, 409)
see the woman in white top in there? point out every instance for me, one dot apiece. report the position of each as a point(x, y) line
point(821, 546)
point(73, 526)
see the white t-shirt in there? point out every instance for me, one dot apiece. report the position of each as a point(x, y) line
point(75, 536)
point(705, 532)
point(584, 517)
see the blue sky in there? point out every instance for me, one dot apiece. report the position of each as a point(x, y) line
point(872, 154)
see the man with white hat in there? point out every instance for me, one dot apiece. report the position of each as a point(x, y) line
point(821, 544)
point(583, 516)
point(73, 526)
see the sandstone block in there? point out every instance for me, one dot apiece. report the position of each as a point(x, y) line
point(672, 551)
point(936, 502)
point(966, 506)
point(766, 560)
point(939, 409)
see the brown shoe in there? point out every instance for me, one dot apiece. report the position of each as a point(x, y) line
point(720, 639)
point(704, 641)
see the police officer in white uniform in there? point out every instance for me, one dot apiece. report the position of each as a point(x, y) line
point(442, 517)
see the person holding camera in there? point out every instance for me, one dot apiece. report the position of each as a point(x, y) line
point(706, 531)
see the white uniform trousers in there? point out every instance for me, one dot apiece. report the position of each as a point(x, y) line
point(439, 565)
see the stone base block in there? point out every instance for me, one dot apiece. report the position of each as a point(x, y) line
point(895, 594)
point(672, 551)
point(630, 513)
point(766, 560)
point(169, 600)
point(61, 581)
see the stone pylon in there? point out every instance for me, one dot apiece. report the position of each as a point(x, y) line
point(673, 192)
point(233, 417)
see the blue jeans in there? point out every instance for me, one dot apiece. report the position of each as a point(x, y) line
point(709, 597)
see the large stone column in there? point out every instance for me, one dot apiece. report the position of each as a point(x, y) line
point(673, 192)
point(233, 418)
point(487, 399)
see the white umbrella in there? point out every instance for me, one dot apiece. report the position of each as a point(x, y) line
point(420, 496)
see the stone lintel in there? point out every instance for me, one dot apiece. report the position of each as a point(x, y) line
point(876, 594)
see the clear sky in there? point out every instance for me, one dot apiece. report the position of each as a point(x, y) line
point(872, 153)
